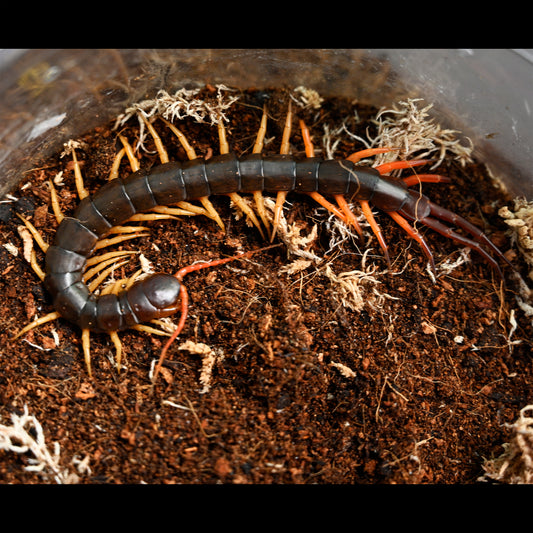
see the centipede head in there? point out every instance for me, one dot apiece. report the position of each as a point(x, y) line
point(164, 293)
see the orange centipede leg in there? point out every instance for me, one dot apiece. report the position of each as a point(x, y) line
point(395, 165)
point(309, 148)
point(367, 211)
point(368, 152)
point(350, 217)
point(415, 179)
point(413, 233)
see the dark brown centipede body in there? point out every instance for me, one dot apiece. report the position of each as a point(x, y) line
point(173, 182)
point(168, 184)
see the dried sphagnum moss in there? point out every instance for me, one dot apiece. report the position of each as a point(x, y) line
point(515, 465)
point(408, 127)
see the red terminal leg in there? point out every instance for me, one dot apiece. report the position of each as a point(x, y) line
point(413, 233)
point(367, 211)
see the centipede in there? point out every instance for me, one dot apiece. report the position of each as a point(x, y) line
point(169, 188)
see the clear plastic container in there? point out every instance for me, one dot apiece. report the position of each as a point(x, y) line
point(50, 96)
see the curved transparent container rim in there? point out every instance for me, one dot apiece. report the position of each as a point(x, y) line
point(49, 96)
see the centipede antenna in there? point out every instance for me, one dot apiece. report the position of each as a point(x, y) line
point(413, 233)
point(182, 272)
point(184, 311)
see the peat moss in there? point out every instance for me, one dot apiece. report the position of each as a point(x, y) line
point(304, 389)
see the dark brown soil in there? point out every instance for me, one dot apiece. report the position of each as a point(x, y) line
point(421, 407)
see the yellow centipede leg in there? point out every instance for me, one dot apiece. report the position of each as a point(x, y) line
point(212, 212)
point(35, 266)
point(161, 150)
point(282, 195)
point(134, 162)
point(189, 150)
point(209, 209)
point(224, 146)
point(258, 148)
point(55, 203)
point(80, 187)
point(235, 197)
point(35, 233)
point(120, 238)
point(38, 322)
point(113, 173)
point(147, 329)
point(86, 345)
point(247, 210)
point(118, 349)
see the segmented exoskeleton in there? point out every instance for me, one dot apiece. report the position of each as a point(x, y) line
point(175, 182)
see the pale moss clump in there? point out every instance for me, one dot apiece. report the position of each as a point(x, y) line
point(181, 104)
point(520, 219)
point(408, 128)
point(515, 465)
point(25, 435)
